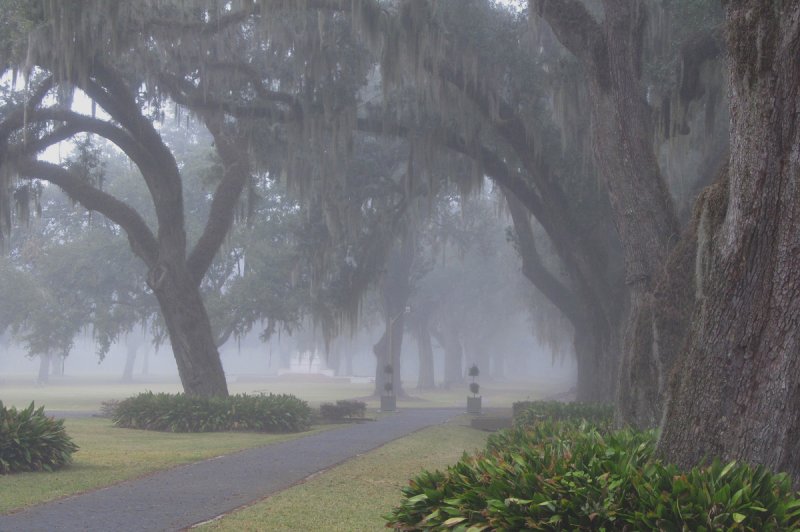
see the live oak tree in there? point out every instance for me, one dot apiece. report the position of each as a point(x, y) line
point(59, 60)
point(478, 106)
point(734, 392)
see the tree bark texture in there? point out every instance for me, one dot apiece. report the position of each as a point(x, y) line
point(736, 389)
point(595, 322)
point(622, 140)
point(193, 343)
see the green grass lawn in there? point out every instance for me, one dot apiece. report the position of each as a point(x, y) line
point(87, 394)
point(355, 495)
point(108, 455)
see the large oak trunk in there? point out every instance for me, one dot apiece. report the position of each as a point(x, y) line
point(587, 302)
point(736, 391)
point(597, 353)
point(190, 334)
point(610, 52)
point(622, 134)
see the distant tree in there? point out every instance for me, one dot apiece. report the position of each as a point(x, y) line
point(57, 64)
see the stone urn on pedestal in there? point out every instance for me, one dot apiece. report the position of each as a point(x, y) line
point(474, 402)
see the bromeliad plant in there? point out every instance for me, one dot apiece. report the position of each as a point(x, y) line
point(571, 475)
point(32, 441)
point(528, 413)
point(184, 413)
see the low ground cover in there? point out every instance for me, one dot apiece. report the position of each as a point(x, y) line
point(109, 455)
point(184, 413)
point(567, 473)
point(354, 495)
point(32, 441)
point(343, 410)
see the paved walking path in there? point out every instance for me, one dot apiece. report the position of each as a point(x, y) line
point(186, 495)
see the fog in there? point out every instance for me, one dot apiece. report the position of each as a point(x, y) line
point(527, 360)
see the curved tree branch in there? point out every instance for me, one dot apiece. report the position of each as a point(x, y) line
point(220, 217)
point(532, 266)
point(79, 123)
point(573, 25)
point(141, 238)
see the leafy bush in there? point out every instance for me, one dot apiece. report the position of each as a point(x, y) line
point(183, 413)
point(572, 476)
point(32, 441)
point(528, 413)
point(343, 410)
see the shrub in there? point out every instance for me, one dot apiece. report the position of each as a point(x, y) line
point(183, 413)
point(528, 413)
point(570, 475)
point(343, 410)
point(474, 387)
point(32, 441)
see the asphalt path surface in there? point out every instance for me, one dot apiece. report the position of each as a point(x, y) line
point(183, 496)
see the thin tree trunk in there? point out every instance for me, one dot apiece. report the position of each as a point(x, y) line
point(146, 363)
point(735, 392)
point(44, 369)
point(396, 291)
point(348, 361)
point(426, 380)
point(498, 363)
point(130, 359)
point(57, 365)
point(453, 356)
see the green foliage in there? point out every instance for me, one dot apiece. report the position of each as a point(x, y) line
point(474, 371)
point(184, 413)
point(474, 387)
point(32, 441)
point(343, 410)
point(528, 413)
point(570, 475)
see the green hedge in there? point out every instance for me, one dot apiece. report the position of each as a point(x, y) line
point(183, 413)
point(343, 410)
point(569, 475)
point(527, 413)
point(32, 441)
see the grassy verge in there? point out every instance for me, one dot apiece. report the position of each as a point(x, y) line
point(87, 393)
point(354, 495)
point(108, 455)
